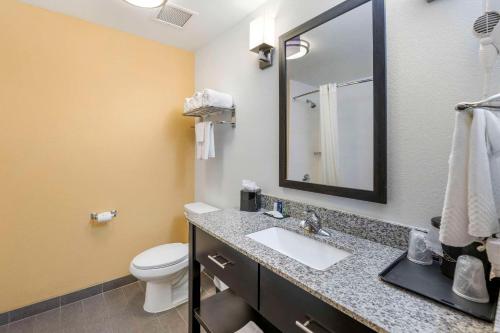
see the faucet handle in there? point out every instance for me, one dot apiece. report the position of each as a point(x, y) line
point(312, 213)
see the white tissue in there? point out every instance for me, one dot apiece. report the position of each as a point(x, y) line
point(104, 217)
point(250, 185)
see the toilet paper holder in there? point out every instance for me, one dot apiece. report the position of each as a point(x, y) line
point(93, 216)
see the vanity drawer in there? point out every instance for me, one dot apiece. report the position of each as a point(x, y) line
point(288, 307)
point(239, 272)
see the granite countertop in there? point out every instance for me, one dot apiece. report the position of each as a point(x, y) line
point(351, 285)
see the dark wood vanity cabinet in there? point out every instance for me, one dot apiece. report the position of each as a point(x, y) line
point(290, 308)
point(237, 271)
point(256, 294)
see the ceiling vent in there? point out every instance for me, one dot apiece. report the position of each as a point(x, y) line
point(174, 15)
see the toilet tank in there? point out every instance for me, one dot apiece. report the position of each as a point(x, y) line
point(198, 208)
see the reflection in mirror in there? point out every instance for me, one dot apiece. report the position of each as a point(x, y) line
point(330, 108)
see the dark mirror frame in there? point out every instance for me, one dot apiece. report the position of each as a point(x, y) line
point(379, 193)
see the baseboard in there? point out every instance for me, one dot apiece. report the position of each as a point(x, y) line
point(34, 309)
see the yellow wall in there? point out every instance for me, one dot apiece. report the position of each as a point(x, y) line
point(90, 120)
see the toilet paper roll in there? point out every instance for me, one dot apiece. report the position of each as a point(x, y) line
point(104, 217)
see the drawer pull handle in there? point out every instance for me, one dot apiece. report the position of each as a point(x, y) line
point(217, 262)
point(304, 326)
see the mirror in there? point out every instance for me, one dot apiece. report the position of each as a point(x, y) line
point(333, 103)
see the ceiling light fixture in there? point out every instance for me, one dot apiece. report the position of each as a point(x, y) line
point(146, 3)
point(296, 48)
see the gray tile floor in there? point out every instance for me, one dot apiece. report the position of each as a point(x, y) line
point(116, 311)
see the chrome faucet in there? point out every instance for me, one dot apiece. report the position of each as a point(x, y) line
point(312, 224)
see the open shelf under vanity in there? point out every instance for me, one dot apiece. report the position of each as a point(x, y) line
point(225, 312)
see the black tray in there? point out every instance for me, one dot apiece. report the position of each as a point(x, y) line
point(429, 282)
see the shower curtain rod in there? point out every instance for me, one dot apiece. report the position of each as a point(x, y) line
point(339, 85)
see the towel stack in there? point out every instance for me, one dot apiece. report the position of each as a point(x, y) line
point(208, 97)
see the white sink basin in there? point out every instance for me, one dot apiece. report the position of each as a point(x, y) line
point(308, 251)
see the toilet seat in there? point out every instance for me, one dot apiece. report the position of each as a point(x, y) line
point(161, 256)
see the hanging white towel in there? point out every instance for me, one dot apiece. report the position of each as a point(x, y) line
point(205, 143)
point(199, 130)
point(483, 215)
point(470, 210)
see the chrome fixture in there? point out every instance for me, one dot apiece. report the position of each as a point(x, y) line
point(297, 48)
point(311, 103)
point(492, 103)
point(95, 216)
point(339, 85)
point(312, 224)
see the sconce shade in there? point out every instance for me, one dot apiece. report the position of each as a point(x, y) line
point(261, 34)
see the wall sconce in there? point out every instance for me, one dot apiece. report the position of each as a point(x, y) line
point(262, 39)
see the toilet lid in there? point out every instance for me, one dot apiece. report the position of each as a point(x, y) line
point(161, 256)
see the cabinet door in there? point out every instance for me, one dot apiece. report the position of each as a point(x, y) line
point(293, 310)
point(236, 270)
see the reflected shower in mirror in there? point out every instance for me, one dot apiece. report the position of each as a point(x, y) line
point(331, 103)
point(331, 137)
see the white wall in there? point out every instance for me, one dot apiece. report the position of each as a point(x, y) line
point(432, 65)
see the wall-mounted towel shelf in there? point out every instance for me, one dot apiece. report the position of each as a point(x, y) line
point(206, 110)
point(210, 110)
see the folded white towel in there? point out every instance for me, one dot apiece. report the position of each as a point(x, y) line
point(470, 210)
point(216, 98)
point(208, 97)
point(205, 143)
point(250, 327)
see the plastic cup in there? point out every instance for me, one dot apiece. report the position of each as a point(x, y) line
point(418, 251)
point(469, 281)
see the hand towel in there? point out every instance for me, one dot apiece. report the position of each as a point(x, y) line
point(199, 130)
point(455, 216)
point(470, 208)
point(205, 144)
point(483, 216)
point(250, 327)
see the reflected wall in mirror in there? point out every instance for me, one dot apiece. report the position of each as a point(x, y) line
point(332, 103)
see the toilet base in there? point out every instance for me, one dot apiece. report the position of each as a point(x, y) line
point(163, 295)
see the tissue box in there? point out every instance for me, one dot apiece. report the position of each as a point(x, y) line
point(250, 201)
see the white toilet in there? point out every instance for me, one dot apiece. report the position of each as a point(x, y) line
point(164, 268)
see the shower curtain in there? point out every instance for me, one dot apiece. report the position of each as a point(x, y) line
point(329, 134)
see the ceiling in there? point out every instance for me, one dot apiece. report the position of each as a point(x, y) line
point(214, 17)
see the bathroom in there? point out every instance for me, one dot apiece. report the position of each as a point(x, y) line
point(112, 201)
